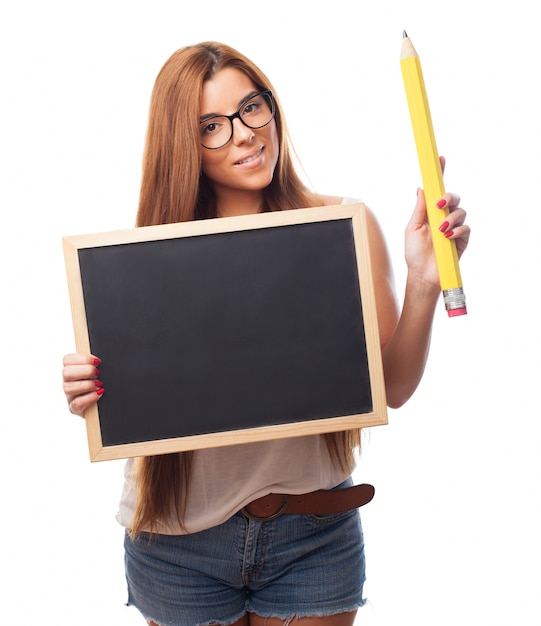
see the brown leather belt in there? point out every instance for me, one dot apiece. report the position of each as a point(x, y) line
point(320, 502)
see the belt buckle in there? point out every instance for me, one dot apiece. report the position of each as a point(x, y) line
point(267, 518)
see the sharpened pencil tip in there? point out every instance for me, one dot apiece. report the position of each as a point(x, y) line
point(404, 34)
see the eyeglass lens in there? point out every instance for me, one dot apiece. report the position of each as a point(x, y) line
point(257, 112)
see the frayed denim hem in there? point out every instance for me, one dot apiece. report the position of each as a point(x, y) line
point(212, 622)
point(288, 617)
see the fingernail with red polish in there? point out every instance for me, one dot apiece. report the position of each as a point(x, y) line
point(96, 361)
point(441, 203)
point(449, 234)
point(97, 373)
point(98, 383)
point(100, 391)
point(444, 226)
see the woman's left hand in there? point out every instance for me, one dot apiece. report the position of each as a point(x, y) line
point(419, 250)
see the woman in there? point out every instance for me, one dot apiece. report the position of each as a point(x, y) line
point(197, 551)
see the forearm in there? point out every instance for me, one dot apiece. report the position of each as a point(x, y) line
point(406, 352)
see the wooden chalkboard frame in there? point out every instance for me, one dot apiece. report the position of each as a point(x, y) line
point(354, 215)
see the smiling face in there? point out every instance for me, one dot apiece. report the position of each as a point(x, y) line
point(245, 166)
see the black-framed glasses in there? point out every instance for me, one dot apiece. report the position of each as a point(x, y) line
point(256, 112)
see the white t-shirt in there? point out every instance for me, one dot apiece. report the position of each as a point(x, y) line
point(226, 479)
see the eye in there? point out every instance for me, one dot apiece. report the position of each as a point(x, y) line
point(208, 128)
point(252, 107)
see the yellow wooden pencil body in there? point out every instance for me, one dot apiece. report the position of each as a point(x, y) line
point(431, 173)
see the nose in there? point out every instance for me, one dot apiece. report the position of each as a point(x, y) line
point(241, 132)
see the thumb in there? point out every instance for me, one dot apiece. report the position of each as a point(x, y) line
point(419, 216)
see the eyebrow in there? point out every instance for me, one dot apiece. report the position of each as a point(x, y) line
point(208, 116)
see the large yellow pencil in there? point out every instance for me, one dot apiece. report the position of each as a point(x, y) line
point(431, 173)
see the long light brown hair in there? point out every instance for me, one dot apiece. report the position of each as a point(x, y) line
point(174, 189)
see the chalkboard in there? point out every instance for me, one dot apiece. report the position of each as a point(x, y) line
point(225, 331)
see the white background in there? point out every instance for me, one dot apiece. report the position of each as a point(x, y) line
point(453, 535)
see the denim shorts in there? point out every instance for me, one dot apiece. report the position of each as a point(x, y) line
point(295, 565)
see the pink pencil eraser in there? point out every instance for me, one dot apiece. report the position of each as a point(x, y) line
point(457, 312)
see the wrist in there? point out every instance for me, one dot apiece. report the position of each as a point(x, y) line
point(421, 291)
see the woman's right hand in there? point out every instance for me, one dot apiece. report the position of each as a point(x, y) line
point(81, 384)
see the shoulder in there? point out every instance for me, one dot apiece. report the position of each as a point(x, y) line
point(331, 200)
point(334, 200)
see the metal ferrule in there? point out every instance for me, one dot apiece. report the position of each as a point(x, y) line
point(454, 298)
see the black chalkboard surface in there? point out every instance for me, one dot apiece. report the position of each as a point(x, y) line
point(229, 330)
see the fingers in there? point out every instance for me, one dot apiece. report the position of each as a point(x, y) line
point(79, 366)
point(82, 388)
point(448, 201)
point(456, 215)
point(81, 359)
point(453, 226)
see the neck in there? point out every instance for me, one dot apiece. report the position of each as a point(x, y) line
point(232, 209)
point(230, 205)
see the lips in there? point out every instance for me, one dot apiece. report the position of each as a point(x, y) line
point(251, 157)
